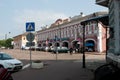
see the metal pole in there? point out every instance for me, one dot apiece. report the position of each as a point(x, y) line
point(106, 42)
point(84, 66)
point(60, 36)
point(5, 36)
point(30, 56)
point(56, 54)
point(30, 50)
point(56, 50)
point(60, 43)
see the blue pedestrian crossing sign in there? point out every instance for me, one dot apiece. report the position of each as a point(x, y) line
point(30, 26)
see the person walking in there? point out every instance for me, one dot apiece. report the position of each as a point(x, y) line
point(71, 50)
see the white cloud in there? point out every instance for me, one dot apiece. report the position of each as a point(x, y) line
point(41, 18)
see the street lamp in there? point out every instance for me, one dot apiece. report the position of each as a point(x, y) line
point(83, 48)
point(84, 66)
point(60, 36)
point(6, 36)
point(104, 20)
point(56, 38)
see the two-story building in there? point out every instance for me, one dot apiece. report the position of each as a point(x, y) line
point(69, 33)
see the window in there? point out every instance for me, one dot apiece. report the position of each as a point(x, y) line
point(61, 33)
point(67, 32)
point(111, 33)
point(95, 27)
point(23, 38)
point(73, 32)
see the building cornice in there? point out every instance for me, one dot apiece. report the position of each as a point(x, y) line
point(96, 14)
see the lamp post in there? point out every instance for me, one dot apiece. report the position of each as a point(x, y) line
point(84, 66)
point(83, 49)
point(56, 39)
point(97, 19)
point(60, 36)
point(6, 36)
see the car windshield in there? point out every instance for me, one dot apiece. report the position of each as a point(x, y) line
point(4, 56)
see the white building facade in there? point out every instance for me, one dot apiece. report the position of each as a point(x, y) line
point(20, 41)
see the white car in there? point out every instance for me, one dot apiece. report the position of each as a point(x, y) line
point(26, 48)
point(47, 49)
point(12, 64)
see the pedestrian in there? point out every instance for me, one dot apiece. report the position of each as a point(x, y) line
point(71, 50)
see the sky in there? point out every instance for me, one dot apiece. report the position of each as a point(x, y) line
point(15, 13)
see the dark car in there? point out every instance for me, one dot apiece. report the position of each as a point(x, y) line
point(5, 74)
point(60, 50)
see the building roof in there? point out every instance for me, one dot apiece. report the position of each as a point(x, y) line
point(21, 34)
point(73, 19)
point(102, 2)
point(104, 19)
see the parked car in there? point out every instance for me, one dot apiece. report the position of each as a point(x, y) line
point(42, 48)
point(89, 49)
point(10, 63)
point(51, 49)
point(35, 48)
point(25, 48)
point(47, 49)
point(60, 50)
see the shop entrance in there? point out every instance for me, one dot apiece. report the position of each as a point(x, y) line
point(90, 45)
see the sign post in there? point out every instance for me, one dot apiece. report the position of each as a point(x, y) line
point(56, 38)
point(30, 26)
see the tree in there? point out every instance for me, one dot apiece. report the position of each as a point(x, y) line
point(8, 43)
point(2, 43)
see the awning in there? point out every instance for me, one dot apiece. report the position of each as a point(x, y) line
point(89, 44)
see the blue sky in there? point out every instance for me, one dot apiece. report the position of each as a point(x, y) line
point(15, 13)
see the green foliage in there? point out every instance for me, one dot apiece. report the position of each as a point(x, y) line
point(6, 43)
point(2, 43)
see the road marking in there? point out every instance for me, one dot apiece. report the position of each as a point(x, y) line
point(26, 66)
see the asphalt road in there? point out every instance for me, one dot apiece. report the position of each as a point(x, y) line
point(55, 70)
point(67, 67)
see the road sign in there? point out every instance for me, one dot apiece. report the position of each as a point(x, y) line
point(30, 37)
point(30, 26)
